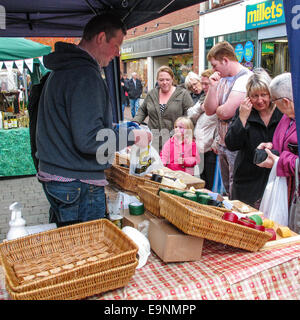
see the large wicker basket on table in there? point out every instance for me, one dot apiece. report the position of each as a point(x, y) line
point(120, 175)
point(150, 199)
point(202, 221)
point(58, 257)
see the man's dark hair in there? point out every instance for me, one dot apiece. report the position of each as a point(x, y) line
point(107, 22)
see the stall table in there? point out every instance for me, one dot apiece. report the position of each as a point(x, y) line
point(223, 273)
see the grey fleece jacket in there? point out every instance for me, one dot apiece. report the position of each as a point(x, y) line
point(73, 111)
point(177, 106)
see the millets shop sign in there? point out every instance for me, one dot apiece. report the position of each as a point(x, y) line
point(264, 14)
point(180, 39)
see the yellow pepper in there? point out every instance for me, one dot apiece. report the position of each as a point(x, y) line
point(267, 223)
point(284, 232)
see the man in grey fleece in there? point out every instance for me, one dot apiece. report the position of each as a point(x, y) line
point(76, 139)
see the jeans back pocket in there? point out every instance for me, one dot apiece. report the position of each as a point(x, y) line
point(64, 197)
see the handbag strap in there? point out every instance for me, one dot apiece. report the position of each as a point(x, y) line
point(297, 174)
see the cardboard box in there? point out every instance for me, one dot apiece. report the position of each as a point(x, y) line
point(133, 221)
point(171, 244)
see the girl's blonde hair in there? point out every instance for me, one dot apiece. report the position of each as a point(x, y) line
point(188, 124)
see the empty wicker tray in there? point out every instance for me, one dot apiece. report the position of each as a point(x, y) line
point(202, 221)
point(80, 287)
point(64, 254)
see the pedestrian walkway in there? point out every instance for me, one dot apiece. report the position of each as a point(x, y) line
point(28, 192)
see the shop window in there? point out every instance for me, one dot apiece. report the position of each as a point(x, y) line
point(181, 66)
point(275, 56)
point(244, 43)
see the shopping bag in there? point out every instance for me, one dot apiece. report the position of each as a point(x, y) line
point(218, 186)
point(294, 213)
point(274, 203)
point(143, 161)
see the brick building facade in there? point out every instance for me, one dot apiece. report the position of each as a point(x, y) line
point(147, 47)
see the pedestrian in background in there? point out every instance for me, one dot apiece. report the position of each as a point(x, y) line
point(134, 88)
point(123, 94)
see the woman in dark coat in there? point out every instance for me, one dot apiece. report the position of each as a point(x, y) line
point(255, 122)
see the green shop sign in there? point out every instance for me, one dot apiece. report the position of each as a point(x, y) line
point(267, 48)
point(264, 14)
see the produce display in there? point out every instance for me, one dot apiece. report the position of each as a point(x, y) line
point(255, 221)
point(284, 232)
point(273, 233)
point(267, 223)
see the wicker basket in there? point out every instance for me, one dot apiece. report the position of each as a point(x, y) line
point(64, 254)
point(121, 177)
point(80, 287)
point(122, 159)
point(207, 223)
point(150, 199)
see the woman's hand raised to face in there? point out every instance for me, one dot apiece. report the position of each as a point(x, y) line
point(245, 110)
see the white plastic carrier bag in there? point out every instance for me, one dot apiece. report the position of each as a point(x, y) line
point(274, 203)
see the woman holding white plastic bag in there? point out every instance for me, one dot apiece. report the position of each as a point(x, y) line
point(285, 141)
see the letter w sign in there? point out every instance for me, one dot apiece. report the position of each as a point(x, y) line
point(180, 39)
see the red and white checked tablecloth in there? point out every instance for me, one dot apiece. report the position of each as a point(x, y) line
point(223, 273)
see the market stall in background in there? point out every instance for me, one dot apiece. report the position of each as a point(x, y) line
point(21, 66)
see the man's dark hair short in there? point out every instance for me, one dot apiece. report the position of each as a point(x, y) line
point(109, 23)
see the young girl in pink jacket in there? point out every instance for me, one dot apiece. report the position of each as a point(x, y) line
point(180, 151)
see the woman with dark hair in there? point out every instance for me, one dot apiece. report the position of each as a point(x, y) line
point(255, 122)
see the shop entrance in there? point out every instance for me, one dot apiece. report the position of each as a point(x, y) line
point(275, 56)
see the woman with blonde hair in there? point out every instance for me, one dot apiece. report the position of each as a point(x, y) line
point(180, 151)
point(255, 122)
point(163, 105)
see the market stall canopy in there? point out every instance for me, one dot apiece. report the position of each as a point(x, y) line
point(54, 18)
point(20, 48)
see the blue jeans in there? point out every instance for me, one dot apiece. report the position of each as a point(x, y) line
point(134, 105)
point(74, 202)
point(123, 108)
point(226, 161)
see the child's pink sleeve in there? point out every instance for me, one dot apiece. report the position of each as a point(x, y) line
point(191, 160)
